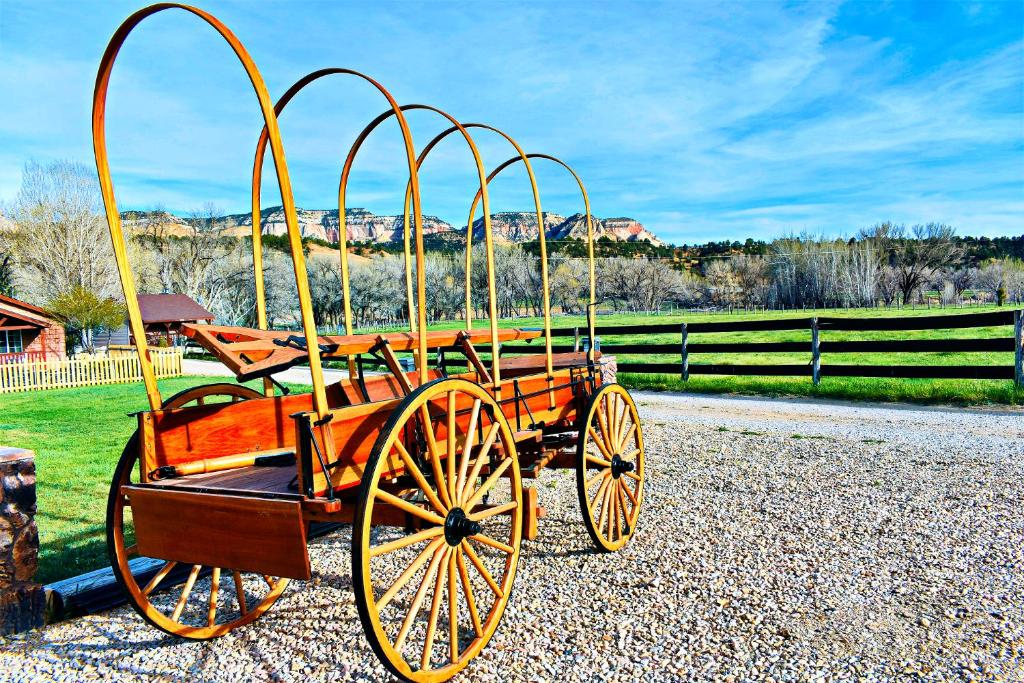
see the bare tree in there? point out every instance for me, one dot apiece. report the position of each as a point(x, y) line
point(60, 240)
point(6, 268)
point(916, 254)
point(961, 279)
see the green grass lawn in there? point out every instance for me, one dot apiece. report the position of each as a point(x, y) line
point(78, 434)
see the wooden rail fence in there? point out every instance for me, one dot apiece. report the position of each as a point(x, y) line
point(82, 372)
point(818, 327)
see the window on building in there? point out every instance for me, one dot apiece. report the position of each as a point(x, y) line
point(10, 341)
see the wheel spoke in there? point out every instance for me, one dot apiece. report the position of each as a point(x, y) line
point(409, 507)
point(601, 474)
point(607, 462)
point(191, 581)
point(617, 510)
point(435, 606)
point(450, 459)
point(158, 577)
point(435, 457)
point(600, 493)
point(602, 417)
point(611, 510)
point(627, 509)
point(467, 449)
point(453, 611)
point(211, 615)
point(629, 433)
point(635, 504)
point(604, 507)
point(417, 601)
point(487, 540)
point(481, 458)
point(632, 475)
point(240, 594)
point(467, 589)
point(488, 483)
point(493, 512)
point(613, 417)
point(269, 580)
point(475, 559)
point(620, 421)
point(417, 474)
point(405, 541)
point(629, 494)
point(404, 578)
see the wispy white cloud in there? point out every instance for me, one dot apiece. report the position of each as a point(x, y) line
point(705, 121)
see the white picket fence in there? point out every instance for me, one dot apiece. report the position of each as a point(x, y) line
point(86, 371)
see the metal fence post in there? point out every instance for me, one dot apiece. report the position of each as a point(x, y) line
point(815, 352)
point(1018, 346)
point(576, 340)
point(684, 351)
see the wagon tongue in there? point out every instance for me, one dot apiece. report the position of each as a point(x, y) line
point(457, 526)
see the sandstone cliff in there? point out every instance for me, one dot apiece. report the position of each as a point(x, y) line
point(364, 226)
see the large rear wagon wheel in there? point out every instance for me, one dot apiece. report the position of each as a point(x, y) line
point(610, 467)
point(445, 578)
point(212, 600)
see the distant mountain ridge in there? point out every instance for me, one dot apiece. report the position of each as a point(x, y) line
point(364, 226)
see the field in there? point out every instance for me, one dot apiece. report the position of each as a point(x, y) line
point(78, 434)
point(955, 391)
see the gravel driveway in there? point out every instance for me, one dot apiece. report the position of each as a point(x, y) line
point(780, 541)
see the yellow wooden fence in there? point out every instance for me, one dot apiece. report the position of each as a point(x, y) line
point(84, 372)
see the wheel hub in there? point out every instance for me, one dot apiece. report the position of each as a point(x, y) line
point(620, 466)
point(457, 526)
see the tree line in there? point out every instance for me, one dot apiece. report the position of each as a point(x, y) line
point(55, 251)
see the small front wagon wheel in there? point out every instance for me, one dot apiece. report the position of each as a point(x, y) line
point(437, 531)
point(610, 467)
point(189, 601)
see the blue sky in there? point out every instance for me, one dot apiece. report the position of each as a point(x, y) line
point(703, 121)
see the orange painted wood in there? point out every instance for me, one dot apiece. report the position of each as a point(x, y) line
point(262, 535)
point(215, 430)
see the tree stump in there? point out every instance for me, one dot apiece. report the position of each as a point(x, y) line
point(22, 602)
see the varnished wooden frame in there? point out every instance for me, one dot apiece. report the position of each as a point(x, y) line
point(590, 227)
point(420, 258)
point(413, 184)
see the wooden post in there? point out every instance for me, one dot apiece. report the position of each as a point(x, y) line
point(684, 351)
point(815, 352)
point(1018, 346)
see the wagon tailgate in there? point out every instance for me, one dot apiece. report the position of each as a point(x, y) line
point(266, 535)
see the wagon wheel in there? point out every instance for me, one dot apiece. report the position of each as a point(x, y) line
point(610, 467)
point(463, 530)
point(213, 600)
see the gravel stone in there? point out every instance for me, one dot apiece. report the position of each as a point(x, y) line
point(780, 541)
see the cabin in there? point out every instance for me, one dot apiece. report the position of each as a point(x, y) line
point(27, 332)
point(163, 315)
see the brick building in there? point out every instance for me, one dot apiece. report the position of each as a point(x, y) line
point(28, 333)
